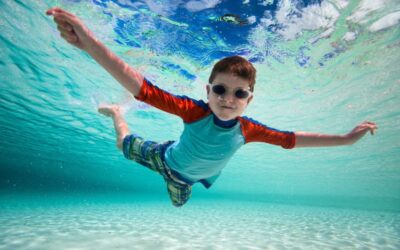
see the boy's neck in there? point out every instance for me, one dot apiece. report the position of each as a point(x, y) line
point(224, 124)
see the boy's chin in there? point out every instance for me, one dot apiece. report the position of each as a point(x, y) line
point(225, 117)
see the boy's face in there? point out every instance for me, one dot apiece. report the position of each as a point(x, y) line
point(228, 106)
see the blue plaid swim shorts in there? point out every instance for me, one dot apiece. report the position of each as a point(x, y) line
point(151, 155)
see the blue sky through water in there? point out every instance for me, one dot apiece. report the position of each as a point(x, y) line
point(208, 27)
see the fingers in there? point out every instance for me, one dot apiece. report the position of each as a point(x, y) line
point(50, 12)
point(67, 32)
point(63, 18)
point(64, 27)
point(371, 126)
point(66, 23)
point(56, 10)
point(372, 130)
point(370, 123)
point(71, 38)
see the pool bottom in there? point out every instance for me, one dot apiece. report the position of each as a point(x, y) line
point(201, 224)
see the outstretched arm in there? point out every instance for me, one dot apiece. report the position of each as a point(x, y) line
point(76, 33)
point(305, 139)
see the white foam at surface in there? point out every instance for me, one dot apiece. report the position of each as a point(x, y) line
point(325, 34)
point(251, 19)
point(386, 22)
point(163, 9)
point(122, 13)
point(340, 4)
point(349, 36)
point(195, 6)
point(267, 19)
point(266, 2)
point(313, 17)
point(365, 8)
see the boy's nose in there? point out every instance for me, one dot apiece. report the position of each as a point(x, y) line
point(227, 97)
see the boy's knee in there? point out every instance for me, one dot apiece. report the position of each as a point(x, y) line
point(179, 203)
point(120, 142)
point(179, 194)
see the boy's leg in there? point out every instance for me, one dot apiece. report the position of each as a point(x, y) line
point(178, 193)
point(120, 125)
point(147, 154)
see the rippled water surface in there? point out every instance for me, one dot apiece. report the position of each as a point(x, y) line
point(323, 66)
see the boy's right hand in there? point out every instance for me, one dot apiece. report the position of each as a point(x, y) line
point(71, 28)
point(76, 33)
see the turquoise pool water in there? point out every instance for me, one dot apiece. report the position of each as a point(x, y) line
point(323, 66)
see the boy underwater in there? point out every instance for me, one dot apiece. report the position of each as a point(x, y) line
point(213, 131)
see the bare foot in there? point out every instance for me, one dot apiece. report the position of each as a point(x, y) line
point(109, 110)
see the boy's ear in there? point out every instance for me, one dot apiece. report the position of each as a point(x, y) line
point(208, 90)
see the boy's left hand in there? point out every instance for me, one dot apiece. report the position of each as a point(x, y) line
point(360, 130)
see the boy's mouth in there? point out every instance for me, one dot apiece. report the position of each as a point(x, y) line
point(226, 107)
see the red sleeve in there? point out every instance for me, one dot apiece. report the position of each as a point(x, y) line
point(188, 109)
point(254, 131)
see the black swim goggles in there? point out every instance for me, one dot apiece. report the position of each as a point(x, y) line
point(221, 90)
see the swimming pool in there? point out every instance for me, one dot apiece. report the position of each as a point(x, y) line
point(322, 66)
